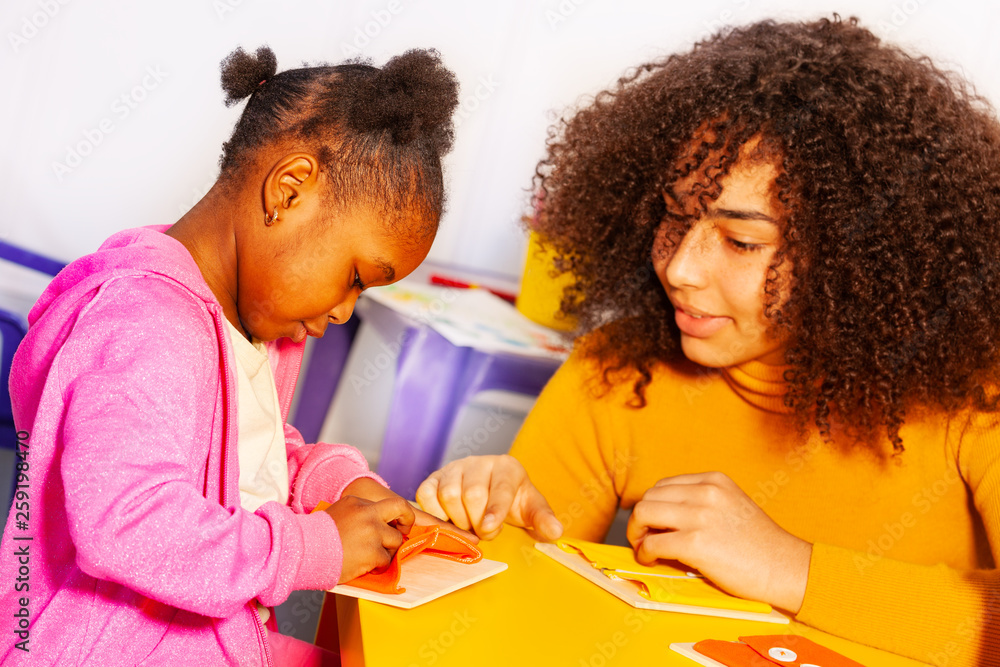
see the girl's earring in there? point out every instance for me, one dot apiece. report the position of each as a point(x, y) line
point(271, 219)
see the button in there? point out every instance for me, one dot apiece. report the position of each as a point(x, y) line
point(782, 654)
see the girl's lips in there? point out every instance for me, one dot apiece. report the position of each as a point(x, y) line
point(698, 327)
point(300, 333)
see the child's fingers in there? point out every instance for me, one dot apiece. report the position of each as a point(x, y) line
point(395, 510)
point(391, 539)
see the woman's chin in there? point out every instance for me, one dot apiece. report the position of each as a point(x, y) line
point(712, 354)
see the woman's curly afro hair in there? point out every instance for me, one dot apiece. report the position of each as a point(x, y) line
point(889, 174)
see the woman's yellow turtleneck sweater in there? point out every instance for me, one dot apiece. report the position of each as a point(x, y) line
point(902, 556)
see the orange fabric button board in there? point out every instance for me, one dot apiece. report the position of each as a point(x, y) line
point(771, 650)
point(429, 540)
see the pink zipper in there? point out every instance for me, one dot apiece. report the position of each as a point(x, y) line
point(260, 629)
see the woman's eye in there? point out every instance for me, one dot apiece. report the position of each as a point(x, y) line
point(740, 246)
point(357, 281)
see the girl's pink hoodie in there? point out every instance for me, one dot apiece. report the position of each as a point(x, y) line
point(131, 546)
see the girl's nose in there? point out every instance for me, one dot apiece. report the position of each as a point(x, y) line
point(343, 310)
point(687, 265)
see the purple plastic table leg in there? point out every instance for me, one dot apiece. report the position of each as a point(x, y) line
point(422, 410)
point(329, 355)
point(434, 380)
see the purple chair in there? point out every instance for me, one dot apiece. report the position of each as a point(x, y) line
point(434, 380)
point(12, 330)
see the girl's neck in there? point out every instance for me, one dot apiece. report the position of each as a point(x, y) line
point(208, 231)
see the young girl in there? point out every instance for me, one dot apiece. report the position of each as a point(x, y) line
point(166, 501)
point(787, 245)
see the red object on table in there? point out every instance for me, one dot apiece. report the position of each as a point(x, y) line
point(449, 282)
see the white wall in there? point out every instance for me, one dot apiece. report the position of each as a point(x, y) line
point(134, 85)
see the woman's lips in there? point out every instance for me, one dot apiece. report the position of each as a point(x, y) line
point(701, 326)
point(300, 333)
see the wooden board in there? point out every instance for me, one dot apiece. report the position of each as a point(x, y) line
point(687, 650)
point(628, 593)
point(426, 578)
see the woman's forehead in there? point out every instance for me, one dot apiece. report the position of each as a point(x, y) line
point(751, 175)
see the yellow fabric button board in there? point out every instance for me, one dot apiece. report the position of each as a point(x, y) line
point(660, 587)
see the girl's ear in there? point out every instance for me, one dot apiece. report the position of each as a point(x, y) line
point(290, 178)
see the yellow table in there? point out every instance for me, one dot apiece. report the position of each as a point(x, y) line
point(537, 613)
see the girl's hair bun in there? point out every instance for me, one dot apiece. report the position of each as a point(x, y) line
point(242, 73)
point(412, 96)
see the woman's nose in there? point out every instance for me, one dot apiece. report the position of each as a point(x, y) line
point(686, 267)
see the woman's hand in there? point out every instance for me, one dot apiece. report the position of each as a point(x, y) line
point(480, 492)
point(707, 522)
point(370, 532)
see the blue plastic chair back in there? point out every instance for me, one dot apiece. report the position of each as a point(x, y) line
point(13, 329)
point(32, 260)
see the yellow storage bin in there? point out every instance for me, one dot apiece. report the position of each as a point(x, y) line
point(540, 292)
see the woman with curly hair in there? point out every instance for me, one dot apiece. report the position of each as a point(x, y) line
point(786, 251)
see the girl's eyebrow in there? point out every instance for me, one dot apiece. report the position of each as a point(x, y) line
point(741, 215)
point(390, 273)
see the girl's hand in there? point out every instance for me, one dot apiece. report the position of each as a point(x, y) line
point(481, 492)
point(369, 489)
point(370, 532)
point(707, 522)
